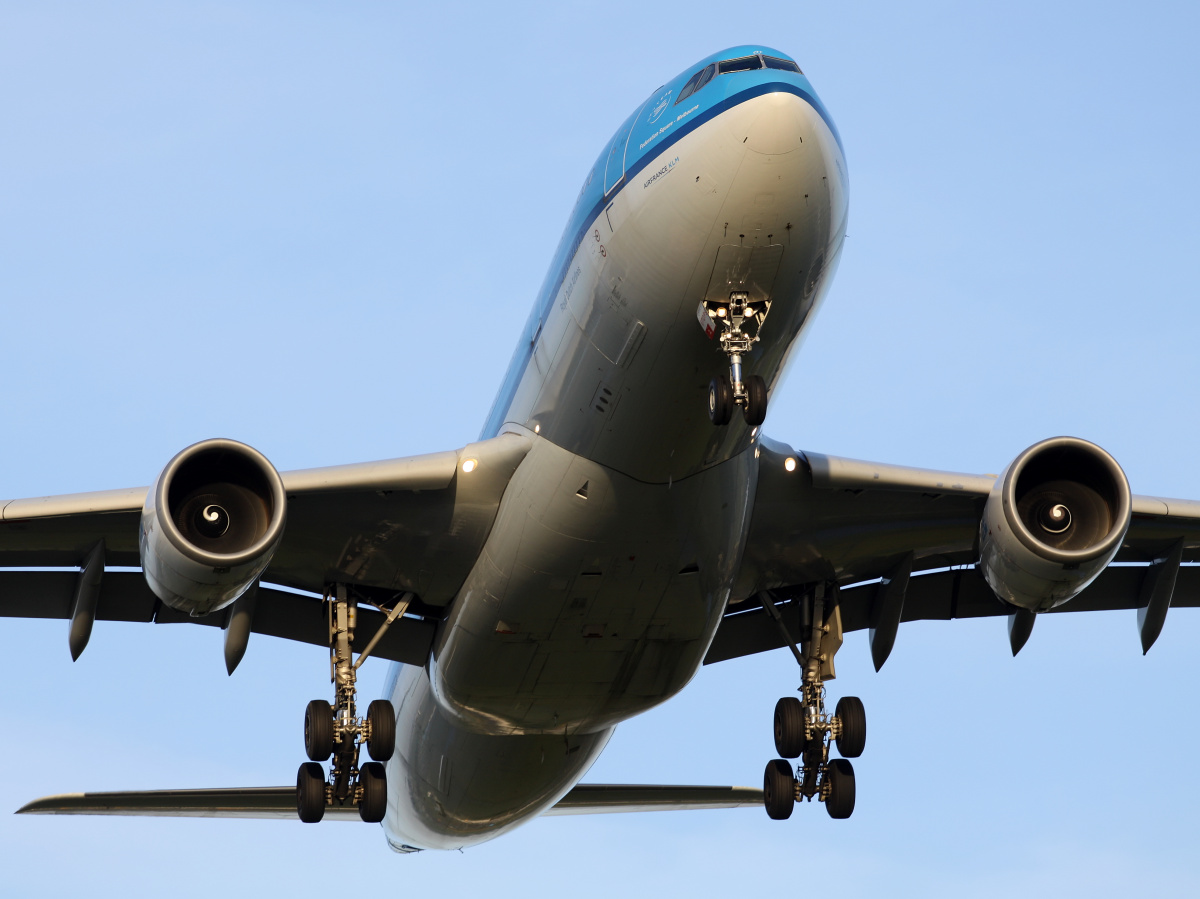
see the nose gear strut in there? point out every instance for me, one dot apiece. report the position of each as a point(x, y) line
point(725, 392)
point(337, 730)
point(804, 729)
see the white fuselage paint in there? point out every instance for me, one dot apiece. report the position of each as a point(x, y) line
point(617, 542)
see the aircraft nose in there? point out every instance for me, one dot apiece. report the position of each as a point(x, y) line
point(779, 125)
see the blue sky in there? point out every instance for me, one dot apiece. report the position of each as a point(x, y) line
point(318, 228)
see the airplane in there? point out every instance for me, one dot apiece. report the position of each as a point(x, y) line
point(621, 521)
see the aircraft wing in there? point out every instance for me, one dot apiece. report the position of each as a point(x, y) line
point(866, 526)
point(402, 526)
point(280, 802)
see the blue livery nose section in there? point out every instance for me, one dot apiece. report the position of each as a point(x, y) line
point(695, 96)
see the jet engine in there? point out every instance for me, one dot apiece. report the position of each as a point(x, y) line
point(211, 522)
point(1053, 521)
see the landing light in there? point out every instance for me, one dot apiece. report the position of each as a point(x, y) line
point(789, 464)
point(469, 466)
point(720, 312)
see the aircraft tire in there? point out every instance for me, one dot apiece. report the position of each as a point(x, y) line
point(373, 805)
point(720, 400)
point(382, 720)
point(789, 727)
point(853, 739)
point(318, 730)
point(755, 410)
point(779, 790)
point(310, 793)
point(840, 777)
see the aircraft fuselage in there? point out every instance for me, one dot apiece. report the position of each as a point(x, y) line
point(617, 543)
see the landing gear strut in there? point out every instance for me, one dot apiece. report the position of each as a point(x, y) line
point(336, 730)
point(725, 392)
point(804, 730)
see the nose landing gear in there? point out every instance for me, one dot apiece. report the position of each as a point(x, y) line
point(803, 728)
point(727, 391)
point(337, 731)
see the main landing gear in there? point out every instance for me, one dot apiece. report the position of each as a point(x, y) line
point(727, 391)
point(336, 731)
point(804, 729)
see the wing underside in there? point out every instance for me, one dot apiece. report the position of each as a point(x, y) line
point(125, 596)
point(409, 527)
point(934, 596)
point(822, 519)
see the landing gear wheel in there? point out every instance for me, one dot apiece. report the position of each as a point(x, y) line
point(310, 793)
point(853, 739)
point(779, 789)
point(318, 730)
point(755, 410)
point(839, 778)
point(373, 805)
point(720, 400)
point(789, 727)
point(381, 721)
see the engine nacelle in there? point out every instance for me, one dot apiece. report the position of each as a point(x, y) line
point(1054, 520)
point(210, 525)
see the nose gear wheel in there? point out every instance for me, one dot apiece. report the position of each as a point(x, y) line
point(720, 400)
point(725, 392)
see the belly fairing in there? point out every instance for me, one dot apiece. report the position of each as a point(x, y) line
point(449, 788)
point(595, 598)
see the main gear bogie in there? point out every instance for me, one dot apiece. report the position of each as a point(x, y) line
point(803, 729)
point(336, 730)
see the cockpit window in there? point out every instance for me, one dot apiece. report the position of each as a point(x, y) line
point(696, 82)
point(774, 62)
point(742, 64)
